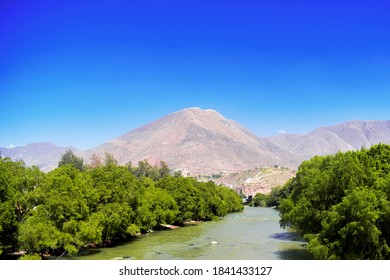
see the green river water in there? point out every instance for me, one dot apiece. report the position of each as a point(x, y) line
point(253, 234)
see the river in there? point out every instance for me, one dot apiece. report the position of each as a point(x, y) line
point(253, 234)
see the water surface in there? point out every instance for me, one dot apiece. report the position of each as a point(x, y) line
point(253, 234)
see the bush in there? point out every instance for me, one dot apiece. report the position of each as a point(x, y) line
point(341, 203)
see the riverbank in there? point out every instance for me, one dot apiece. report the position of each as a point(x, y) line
point(253, 234)
point(112, 244)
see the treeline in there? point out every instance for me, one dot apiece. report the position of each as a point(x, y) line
point(75, 205)
point(341, 203)
point(272, 199)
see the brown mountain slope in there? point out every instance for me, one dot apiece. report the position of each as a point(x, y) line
point(204, 142)
point(195, 141)
point(329, 140)
point(42, 154)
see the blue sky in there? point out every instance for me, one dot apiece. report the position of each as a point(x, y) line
point(83, 72)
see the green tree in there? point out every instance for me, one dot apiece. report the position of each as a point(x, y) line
point(71, 207)
point(17, 183)
point(199, 200)
point(145, 169)
point(157, 207)
point(110, 160)
point(341, 204)
point(63, 205)
point(39, 233)
point(164, 170)
point(120, 194)
point(186, 195)
point(261, 200)
point(70, 158)
point(350, 229)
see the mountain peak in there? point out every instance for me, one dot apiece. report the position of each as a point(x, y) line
point(202, 141)
point(194, 140)
point(199, 112)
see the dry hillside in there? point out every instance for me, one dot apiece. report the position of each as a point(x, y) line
point(259, 180)
point(198, 141)
point(195, 141)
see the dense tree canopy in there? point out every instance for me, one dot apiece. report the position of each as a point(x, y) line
point(341, 203)
point(74, 206)
point(17, 199)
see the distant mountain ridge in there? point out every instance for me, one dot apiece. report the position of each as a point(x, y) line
point(42, 154)
point(342, 137)
point(199, 141)
point(194, 140)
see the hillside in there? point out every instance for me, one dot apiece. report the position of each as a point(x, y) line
point(331, 139)
point(198, 141)
point(195, 141)
point(42, 154)
point(259, 180)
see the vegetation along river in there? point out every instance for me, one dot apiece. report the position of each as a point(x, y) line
point(252, 234)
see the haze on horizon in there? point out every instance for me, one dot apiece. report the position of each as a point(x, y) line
point(81, 73)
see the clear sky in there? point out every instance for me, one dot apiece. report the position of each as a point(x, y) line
point(83, 72)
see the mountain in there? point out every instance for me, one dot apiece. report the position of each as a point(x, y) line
point(196, 141)
point(199, 141)
point(44, 155)
point(342, 137)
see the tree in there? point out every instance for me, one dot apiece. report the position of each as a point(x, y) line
point(200, 200)
point(145, 169)
point(157, 207)
point(188, 198)
point(70, 158)
point(341, 203)
point(63, 204)
point(164, 169)
point(273, 199)
point(110, 160)
point(260, 199)
point(96, 161)
point(17, 183)
point(72, 206)
point(350, 229)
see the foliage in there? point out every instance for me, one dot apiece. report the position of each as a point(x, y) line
point(70, 158)
point(157, 207)
point(17, 183)
point(96, 161)
point(261, 200)
point(341, 203)
point(72, 207)
point(274, 198)
point(200, 201)
point(30, 257)
point(110, 160)
point(145, 169)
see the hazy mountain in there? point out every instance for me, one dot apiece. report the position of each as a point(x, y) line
point(205, 142)
point(195, 141)
point(44, 155)
point(342, 137)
